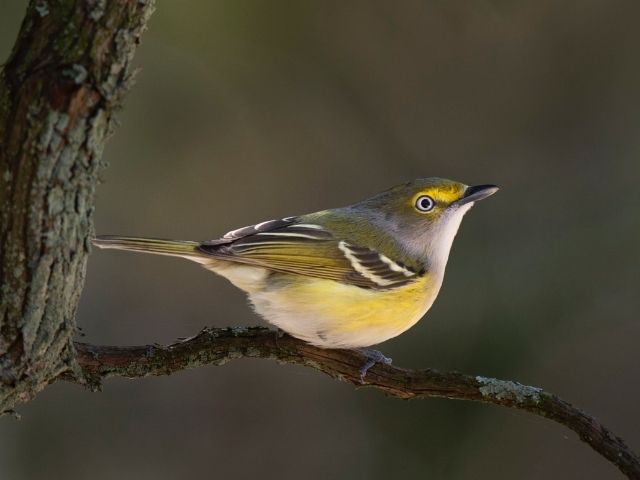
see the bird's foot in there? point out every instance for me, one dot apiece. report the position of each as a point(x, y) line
point(373, 357)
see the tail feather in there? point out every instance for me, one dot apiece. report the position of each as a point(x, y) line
point(175, 248)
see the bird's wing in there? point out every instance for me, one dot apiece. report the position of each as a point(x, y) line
point(289, 246)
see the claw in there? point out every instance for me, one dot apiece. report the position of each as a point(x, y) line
point(373, 357)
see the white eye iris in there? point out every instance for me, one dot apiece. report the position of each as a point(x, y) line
point(425, 203)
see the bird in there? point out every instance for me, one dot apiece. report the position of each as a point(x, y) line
point(343, 278)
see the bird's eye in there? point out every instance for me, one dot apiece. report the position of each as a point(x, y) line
point(425, 203)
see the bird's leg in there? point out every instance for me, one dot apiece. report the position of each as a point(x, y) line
point(279, 334)
point(373, 357)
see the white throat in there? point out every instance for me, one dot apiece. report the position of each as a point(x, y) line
point(442, 238)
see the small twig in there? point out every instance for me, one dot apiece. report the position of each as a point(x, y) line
point(220, 345)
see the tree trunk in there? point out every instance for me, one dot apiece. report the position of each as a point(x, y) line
point(67, 73)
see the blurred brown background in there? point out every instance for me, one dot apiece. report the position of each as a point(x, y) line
point(250, 110)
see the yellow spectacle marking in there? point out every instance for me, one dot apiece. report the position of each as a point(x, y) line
point(446, 193)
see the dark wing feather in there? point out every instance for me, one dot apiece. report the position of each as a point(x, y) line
point(290, 246)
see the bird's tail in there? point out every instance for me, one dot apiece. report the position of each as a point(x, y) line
point(174, 248)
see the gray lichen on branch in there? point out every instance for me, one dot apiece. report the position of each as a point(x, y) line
point(507, 389)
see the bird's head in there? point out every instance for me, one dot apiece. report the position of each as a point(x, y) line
point(424, 214)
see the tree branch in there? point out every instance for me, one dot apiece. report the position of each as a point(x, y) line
point(217, 346)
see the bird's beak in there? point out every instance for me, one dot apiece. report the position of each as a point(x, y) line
point(477, 192)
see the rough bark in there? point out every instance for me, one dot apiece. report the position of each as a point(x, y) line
point(66, 74)
point(220, 345)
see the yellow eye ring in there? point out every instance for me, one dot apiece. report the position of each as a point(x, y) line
point(424, 203)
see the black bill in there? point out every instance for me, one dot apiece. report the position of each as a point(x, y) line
point(477, 192)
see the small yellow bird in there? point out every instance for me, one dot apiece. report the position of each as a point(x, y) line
point(347, 277)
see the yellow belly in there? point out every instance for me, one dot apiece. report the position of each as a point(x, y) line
point(334, 315)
